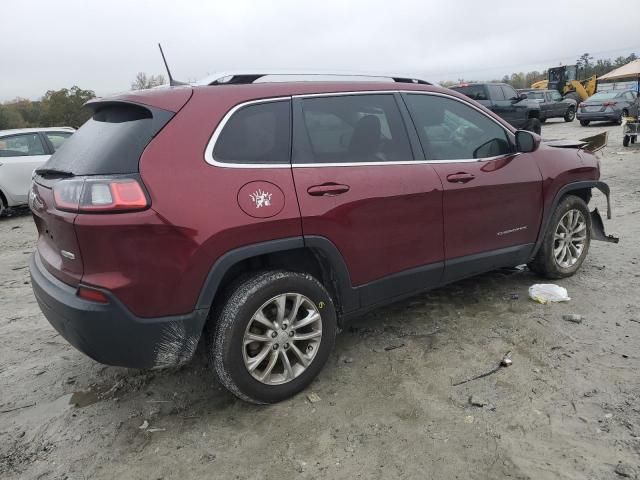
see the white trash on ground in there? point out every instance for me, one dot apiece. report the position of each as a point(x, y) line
point(548, 292)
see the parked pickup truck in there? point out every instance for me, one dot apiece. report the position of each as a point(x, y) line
point(552, 105)
point(503, 100)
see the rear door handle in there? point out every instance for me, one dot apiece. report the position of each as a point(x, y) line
point(327, 189)
point(460, 177)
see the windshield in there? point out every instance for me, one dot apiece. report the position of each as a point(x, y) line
point(605, 95)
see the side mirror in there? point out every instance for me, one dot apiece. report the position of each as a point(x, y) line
point(526, 141)
point(523, 96)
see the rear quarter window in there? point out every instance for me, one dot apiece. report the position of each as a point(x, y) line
point(257, 133)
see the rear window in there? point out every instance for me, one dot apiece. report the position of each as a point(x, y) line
point(476, 92)
point(535, 95)
point(605, 95)
point(111, 141)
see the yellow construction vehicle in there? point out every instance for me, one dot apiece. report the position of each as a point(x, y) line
point(564, 79)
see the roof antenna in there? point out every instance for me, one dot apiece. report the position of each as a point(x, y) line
point(172, 82)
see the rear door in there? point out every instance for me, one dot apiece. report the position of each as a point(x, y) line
point(492, 197)
point(359, 187)
point(20, 155)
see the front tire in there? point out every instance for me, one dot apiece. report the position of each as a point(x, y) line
point(533, 125)
point(566, 242)
point(570, 114)
point(625, 140)
point(272, 336)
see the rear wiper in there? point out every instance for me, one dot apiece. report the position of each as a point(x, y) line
point(53, 172)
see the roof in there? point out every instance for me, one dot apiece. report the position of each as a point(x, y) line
point(630, 70)
point(14, 131)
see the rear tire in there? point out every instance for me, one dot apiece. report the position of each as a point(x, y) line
point(533, 125)
point(625, 140)
point(566, 241)
point(3, 206)
point(261, 350)
point(585, 123)
point(570, 114)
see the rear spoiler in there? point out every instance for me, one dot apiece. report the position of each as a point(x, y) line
point(591, 144)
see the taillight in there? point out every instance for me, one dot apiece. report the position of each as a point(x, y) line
point(608, 104)
point(101, 195)
point(581, 105)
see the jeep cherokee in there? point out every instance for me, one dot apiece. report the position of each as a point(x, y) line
point(261, 216)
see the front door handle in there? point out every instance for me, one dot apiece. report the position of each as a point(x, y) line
point(460, 177)
point(327, 189)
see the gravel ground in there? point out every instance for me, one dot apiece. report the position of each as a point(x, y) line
point(567, 407)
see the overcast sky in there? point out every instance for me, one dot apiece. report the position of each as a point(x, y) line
point(102, 44)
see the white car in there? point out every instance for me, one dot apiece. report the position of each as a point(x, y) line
point(21, 152)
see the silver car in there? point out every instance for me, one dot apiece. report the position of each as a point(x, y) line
point(21, 152)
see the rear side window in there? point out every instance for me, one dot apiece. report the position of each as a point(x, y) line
point(258, 133)
point(351, 128)
point(509, 92)
point(24, 145)
point(111, 141)
point(497, 94)
point(57, 138)
point(475, 92)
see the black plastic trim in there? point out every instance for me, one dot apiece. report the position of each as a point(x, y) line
point(109, 333)
point(229, 259)
point(546, 219)
point(471, 265)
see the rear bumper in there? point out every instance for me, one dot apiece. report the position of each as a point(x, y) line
point(110, 333)
point(598, 116)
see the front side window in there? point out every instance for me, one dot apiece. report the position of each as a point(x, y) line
point(57, 138)
point(351, 128)
point(25, 145)
point(509, 93)
point(257, 133)
point(556, 97)
point(496, 93)
point(451, 130)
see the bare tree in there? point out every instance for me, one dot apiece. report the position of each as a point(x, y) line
point(143, 81)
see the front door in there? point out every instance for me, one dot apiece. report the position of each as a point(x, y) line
point(358, 187)
point(492, 196)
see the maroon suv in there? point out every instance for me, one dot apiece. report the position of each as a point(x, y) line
point(263, 215)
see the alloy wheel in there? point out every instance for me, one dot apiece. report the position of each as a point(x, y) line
point(282, 338)
point(570, 238)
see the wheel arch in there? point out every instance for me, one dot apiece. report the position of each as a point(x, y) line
point(580, 189)
point(317, 256)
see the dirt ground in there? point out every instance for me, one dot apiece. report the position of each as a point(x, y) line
point(567, 408)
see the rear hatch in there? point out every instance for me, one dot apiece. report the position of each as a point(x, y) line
point(104, 151)
point(599, 102)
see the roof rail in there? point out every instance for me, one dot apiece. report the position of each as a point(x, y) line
point(235, 78)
